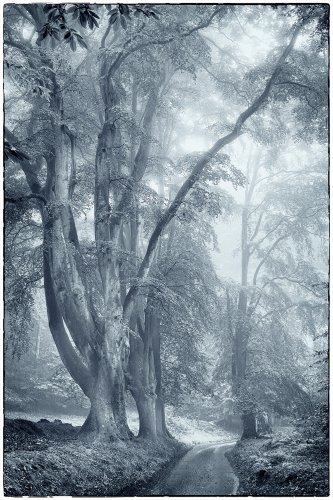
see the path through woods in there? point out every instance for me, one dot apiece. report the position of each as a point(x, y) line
point(204, 470)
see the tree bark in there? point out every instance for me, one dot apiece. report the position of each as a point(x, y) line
point(249, 426)
point(241, 337)
point(100, 423)
point(142, 375)
point(69, 356)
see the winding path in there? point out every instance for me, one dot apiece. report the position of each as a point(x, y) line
point(204, 470)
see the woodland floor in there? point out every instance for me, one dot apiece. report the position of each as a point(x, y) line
point(284, 464)
point(45, 458)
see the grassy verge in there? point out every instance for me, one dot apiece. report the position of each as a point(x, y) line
point(286, 464)
point(42, 460)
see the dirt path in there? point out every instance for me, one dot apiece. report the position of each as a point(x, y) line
point(204, 470)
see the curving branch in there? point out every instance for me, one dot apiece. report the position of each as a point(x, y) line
point(71, 359)
point(293, 280)
point(25, 198)
point(226, 52)
point(197, 171)
point(291, 306)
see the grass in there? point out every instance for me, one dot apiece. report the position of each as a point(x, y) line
point(285, 464)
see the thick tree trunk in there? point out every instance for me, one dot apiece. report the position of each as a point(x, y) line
point(145, 404)
point(249, 426)
point(100, 423)
point(142, 377)
point(161, 427)
point(107, 417)
point(115, 348)
point(102, 347)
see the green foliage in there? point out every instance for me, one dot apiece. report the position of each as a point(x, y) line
point(122, 13)
point(59, 18)
point(190, 318)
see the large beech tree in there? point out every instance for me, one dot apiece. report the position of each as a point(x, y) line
point(96, 342)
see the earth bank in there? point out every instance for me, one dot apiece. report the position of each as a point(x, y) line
point(286, 464)
point(45, 458)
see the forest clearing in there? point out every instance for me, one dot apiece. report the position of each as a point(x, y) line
point(166, 249)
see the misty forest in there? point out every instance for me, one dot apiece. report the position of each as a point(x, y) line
point(166, 249)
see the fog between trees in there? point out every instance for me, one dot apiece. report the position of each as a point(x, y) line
point(139, 140)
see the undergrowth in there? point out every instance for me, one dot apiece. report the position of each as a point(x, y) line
point(41, 467)
point(287, 464)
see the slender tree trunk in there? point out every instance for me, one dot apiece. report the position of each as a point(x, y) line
point(141, 377)
point(37, 349)
point(242, 333)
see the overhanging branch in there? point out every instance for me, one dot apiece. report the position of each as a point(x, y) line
point(25, 198)
point(197, 171)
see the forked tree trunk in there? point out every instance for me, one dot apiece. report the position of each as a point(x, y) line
point(102, 378)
